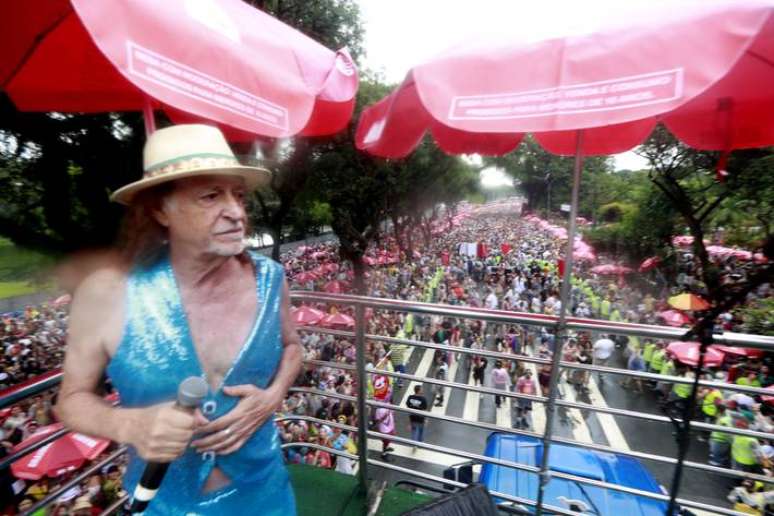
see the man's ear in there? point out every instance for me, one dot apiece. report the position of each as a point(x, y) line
point(159, 212)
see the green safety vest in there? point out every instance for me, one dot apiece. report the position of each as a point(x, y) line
point(746, 381)
point(605, 308)
point(708, 404)
point(657, 361)
point(668, 368)
point(647, 353)
point(722, 436)
point(595, 304)
point(408, 325)
point(743, 450)
point(616, 316)
point(682, 390)
point(634, 344)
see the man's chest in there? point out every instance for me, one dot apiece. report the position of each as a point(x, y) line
point(220, 328)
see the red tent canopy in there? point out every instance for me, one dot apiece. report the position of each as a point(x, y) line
point(67, 453)
point(649, 263)
point(675, 318)
point(610, 270)
point(220, 60)
point(739, 352)
point(307, 316)
point(688, 353)
point(338, 320)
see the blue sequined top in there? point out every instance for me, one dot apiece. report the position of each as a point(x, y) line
point(156, 353)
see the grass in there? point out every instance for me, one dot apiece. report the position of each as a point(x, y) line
point(22, 271)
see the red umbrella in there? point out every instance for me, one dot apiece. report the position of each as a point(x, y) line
point(220, 60)
point(688, 353)
point(335, 287)
point(338, 320)
point(702, 70)
point(769, 398)
point(675, 318)
point(614, 84)
point(305, 277)
point(610, 270)
point(67, 453)
point(649, 263)
point(307, 316)
point(739, 352)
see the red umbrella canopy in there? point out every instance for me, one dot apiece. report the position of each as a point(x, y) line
point(305, 277)
point(610, 269)
point(338, 320)
point(307, 316)
point(649, 264)
point(703, 70)
point(67, 453)
point(769, 398)
point(688, 353)
point(739, 352)
point(675, 318)
point(335, 287)
point(218, 60)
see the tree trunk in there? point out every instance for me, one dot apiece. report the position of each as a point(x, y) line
point(359, 280)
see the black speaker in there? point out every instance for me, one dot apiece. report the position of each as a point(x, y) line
point(474, 500)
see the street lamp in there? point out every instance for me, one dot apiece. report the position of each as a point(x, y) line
point(548, 193)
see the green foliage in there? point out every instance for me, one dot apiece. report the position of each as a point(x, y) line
point(540, 175)
point(759, 317)
point(615, 211)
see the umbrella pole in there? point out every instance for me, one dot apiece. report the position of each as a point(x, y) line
point(147, 116)
point(561, 324)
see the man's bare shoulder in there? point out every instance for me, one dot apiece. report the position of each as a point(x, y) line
point(101, 285)
point(97, 311)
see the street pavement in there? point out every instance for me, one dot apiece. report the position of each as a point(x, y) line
point(585, 426)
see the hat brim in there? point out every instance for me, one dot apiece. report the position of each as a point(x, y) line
point(255, 177)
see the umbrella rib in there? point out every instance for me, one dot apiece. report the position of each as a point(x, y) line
point(761, 58)
point(34, 47)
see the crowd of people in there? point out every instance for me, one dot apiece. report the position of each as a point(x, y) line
point(489, 260)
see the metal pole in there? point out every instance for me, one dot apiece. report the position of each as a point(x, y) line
point(561, 324)
point(362, 383)
point(148, 118)
point(684, 429)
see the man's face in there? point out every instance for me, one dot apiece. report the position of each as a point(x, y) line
point(206, 215)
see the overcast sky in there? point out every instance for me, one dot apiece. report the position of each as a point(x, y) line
point(403, 33)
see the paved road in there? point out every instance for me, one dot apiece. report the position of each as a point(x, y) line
point(583, 426)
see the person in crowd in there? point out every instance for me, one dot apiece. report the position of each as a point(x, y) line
point(525, 385)
point(417, 401)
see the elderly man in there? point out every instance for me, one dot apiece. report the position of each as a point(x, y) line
point(188, 302)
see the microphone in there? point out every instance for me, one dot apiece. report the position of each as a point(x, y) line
point(190, 394)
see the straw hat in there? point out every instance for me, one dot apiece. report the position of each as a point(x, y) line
point(188, 150)
point(81, 503)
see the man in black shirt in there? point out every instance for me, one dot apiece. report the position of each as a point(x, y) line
point(417, 402)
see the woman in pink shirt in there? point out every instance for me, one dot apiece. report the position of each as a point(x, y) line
point(525, 385)
point(500, 380)
point(385, 423)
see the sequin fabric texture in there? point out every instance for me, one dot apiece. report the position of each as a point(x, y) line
point(156, 353)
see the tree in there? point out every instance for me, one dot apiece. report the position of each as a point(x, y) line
point(335, 24)
point(69, 163)
point(544, 178)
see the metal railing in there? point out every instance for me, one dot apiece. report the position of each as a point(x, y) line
point(551, 401)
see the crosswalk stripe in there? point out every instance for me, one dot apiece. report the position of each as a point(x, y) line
point(580, 430)
point(422, 369)
point(441, 459)
point(472, 401)
point(611, 429)
point(538, 409)
point(446, 390)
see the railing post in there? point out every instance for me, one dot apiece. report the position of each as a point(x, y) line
point(362, 384)
point(561, 327)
